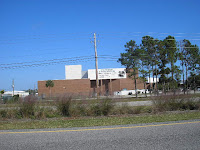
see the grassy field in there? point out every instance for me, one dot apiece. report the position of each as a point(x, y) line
point(66, 112)
point(66, 122)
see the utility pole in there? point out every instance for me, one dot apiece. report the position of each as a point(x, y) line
point(13, 86)
point(96, 63)
point(34, 90)
point(182, 64)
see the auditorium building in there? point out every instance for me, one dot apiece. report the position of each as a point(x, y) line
point(78, 82)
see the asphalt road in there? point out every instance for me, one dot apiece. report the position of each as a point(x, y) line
point(159, 136)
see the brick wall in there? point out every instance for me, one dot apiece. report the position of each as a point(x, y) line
point(78, 87)
point(129, 84)
point(87, 87)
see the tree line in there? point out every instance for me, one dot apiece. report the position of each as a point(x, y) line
point(167, 59)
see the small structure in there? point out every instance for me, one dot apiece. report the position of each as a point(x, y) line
point(130, 92)
point(20, 93)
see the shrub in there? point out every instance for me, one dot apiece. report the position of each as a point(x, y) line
point(11, 99)
point(102, 107)
point(79, 109)
point(171, 103)
point(125, 109)
point(63, 106)
point(95, 109)
point(51, 113)
point(39, 113)
point(137, 109)
point(106, 106)
point(27, 108)
point(15, 98)
point(3, 113)
point(147, 109)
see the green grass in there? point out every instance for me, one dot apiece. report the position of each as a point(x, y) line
point(99, 121)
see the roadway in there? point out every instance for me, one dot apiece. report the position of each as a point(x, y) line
point(180, 135)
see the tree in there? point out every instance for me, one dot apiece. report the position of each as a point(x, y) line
point(144, 67)
point(49, 84)
point(186, 49)
point(171, 49)
point(190, 59)
point(2, 92)
point(177, 76)
point(193, 62)
point(144, 74)
point(191, 81)
point(148, 45)
point(182, 59)
point(130, 59)
point(162, 58)
point(167, 71)
point(172, 55)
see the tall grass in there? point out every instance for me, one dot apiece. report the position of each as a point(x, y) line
point(102, 107)
point(172, 103)
point(27, 108)
point(126, 109)
point(64, 105)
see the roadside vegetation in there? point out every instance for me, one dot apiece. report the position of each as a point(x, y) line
point(64, 122)
point(31, 108)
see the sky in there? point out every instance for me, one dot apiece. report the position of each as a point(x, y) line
point(39, 37)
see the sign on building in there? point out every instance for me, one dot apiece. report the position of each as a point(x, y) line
point(115, 73)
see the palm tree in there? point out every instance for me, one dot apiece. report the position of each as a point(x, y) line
point(49, 84)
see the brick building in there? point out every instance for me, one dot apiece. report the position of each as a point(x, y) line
point(80, 82)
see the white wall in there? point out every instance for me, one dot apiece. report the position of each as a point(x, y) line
point(112, 73)
point(73, 72)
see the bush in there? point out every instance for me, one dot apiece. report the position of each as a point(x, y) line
point(95, 109)
point(137, 109)
point(51, 113)
point(147, 109)
point(15, 98)
point(64, 105)
point(27, 109)
point(79, 109)
point(172, 103)
point(125, 109)
point(3, 113)
point(106, 106)
point(102, 107)
point(11, 99)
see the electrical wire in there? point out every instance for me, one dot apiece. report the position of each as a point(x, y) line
point(69, 58)
point(107, 34)
point(53, 62)
point(45, 64)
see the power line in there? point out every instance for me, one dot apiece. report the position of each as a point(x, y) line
point(113, 58)
point(35, 37)
point(43, 35)
point(48, 41)
point(130, 32)
point(70, 58)
point(45, 64)
point(149, 39)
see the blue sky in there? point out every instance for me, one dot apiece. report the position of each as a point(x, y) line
point(38, 30)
